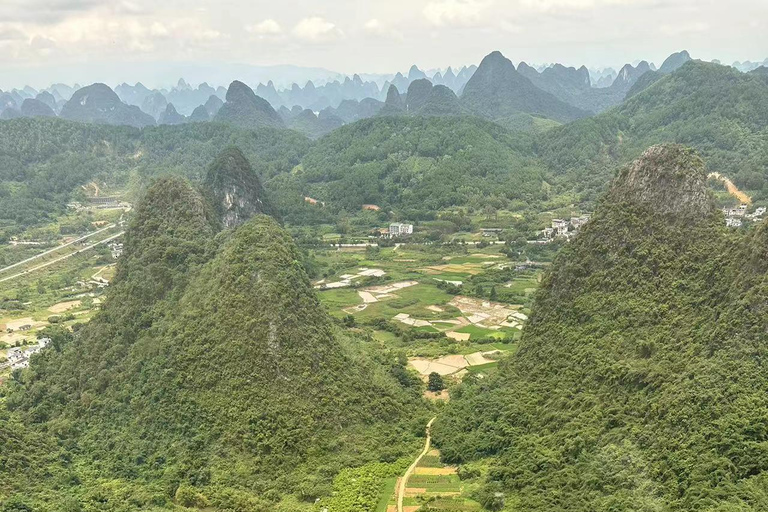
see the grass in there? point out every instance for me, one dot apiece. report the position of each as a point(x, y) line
point(385, 336)
point(339, 298)
point(483, 368)
point(436, 483)
point(412, 301)
point(475, 331)
point(387, 491)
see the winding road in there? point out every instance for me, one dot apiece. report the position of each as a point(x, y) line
point(412, 467)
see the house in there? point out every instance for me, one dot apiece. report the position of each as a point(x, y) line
point(757, 215)
point(104, 201)
point(400, 229)
point(371, 207)
point(560, 227)
point(117, 249)
point(491, 231)
point(733, 222)
point(14, 355)
point(741, 211)
point(577, 222)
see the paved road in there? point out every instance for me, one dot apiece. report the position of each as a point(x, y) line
point(409, 472)
point(62, 258)
point(57, 248)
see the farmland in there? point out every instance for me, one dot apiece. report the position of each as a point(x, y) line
point(453, 309)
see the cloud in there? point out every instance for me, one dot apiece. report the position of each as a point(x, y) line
point(43, 11)
point(692, 27)
point(373, 25)
point(376, 28)
point(11, 34)
point(268, 27)
point(456, 13)
point(159, 30)
point(510, 28)
point(317, 29)
point(576, 5)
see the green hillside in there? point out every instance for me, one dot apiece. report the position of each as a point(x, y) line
point(420, 164)
point(639, 382)
point(45, 161)
point(716, 109)
point(211, 376)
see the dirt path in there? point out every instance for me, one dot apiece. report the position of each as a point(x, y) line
point(731, 188)
point(409, 471)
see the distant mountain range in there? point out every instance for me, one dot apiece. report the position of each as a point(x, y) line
point(523, 97)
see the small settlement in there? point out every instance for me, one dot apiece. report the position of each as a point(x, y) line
point(735, 217)
point(19, 357)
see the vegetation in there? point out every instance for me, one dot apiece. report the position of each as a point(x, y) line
point(637, 384)
point(717, 110)
point(193, 387)
point(418, 165)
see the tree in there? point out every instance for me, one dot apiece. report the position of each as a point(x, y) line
point(494, 295)
point(349, 321)
point(436, 383)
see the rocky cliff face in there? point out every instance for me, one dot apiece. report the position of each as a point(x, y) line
point(667, 179)
point(641, 363)
point(236, 189)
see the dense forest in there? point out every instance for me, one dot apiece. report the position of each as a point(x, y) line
point(414, 165)
point(718, 110)
point(45, 161)
point(192, 386)
point(639, 381)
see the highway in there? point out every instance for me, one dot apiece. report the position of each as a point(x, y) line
point(62, 258)
point(57, 248)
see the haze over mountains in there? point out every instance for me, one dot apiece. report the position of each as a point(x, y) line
point(225, 369)
point(533, 99)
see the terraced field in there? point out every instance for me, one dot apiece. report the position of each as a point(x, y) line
point(432, 487)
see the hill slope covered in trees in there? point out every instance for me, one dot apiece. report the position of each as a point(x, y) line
point(716, 109)
point(639, 382)
point(211, 376)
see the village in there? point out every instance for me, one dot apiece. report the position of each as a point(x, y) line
point(736, 217)
point(18, 358)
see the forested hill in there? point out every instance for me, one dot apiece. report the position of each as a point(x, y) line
point(44, 162)
point(417, 163)
point(212, 376)
point(716, 109)
point(639, 382)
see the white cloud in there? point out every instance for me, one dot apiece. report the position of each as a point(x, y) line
point(692, 27)
point(553, 5)
point(9, 33)
point(316, 29)
point(159, 30)
point(456, 13)
point(373, 25)
point(510, 28)
point(377, 28)
point(268, 27)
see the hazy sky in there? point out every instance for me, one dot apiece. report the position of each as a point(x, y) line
point(113, 40)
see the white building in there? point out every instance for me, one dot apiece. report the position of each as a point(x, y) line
point(400, 229)
point(560, 227)
point(577, 222)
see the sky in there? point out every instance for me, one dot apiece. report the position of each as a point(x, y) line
point(156, 41)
